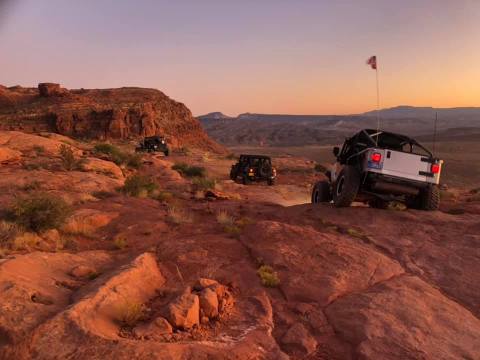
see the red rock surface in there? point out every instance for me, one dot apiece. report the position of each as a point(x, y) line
point(354, 283)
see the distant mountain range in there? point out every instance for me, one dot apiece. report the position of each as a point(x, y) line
point(297, 130)
point(402, 112)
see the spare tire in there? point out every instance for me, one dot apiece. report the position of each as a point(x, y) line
point(346, 186)
point(265, 170)
point(321, 192)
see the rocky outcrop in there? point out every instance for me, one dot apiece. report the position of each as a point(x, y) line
point(122, 113)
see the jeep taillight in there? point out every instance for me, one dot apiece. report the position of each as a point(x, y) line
point(435, 168)
point(376, 157)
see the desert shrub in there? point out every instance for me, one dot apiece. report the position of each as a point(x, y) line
point(8, 233)
point(69, 161)
point(320, 168)
point(177, 215)
point(397, 206)
point(134, 161)
point(231, 156)
point(41, 211)
point(64, 242)
point(139, 186)
point(268, 276)
point(233, 230)
point(26, 241)
point(130, 312)
point(107, 149)
point(189, 170)
point(32, 186)
point(39, 149)
point(79, 225)
point(163, 196)
point(102, 194)
point(118, 156)
point(475, 191)
point(120, 242)
point(202, 183)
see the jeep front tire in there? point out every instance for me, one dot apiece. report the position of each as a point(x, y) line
point(321, 192)
point(346, 187)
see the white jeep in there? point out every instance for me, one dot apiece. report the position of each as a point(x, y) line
point(377, 167)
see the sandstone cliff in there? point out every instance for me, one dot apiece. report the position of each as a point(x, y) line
point(122, 113)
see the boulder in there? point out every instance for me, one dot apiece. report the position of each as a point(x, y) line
point(103, 167)
point(203, 283)
point(158, 329)
point(9, 155)
point(82, 271)
point(298, 341)
point(209, 303)
point(184, 312)
point(49, 89)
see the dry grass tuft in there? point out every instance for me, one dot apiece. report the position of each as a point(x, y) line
point(86, 226)
point(129, 312)
point(177, 215)
point(224, 218)
point(26, 241)
point(120, 242)
point(268, 276)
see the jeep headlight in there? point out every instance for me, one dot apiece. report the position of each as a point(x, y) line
point(163, 142)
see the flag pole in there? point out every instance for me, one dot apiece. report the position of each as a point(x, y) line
point(378, 99)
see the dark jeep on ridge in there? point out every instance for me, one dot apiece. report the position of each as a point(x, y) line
point(153, 144)
point(251, 168)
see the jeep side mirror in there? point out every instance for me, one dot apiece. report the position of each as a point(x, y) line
point(336, 151)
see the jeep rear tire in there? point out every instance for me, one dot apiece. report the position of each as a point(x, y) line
point(346, 187)
point(246, 180)
point(430, 198)
point(321, 192)
point(271, 182)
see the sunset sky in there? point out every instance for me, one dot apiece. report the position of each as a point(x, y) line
point(264, 56)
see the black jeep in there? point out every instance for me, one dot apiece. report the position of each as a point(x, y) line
point(254, 168)
point(153, 144)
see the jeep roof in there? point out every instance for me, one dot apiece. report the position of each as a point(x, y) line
point(386, 140)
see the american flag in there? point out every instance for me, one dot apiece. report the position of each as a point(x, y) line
point(372, 61)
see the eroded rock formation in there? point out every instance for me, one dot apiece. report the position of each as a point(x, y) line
point(101, 114)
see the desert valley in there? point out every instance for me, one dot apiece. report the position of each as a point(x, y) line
point(110, 253)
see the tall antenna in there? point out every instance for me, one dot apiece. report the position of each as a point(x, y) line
point(435, 132)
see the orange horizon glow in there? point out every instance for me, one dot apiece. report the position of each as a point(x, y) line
point(275, 57)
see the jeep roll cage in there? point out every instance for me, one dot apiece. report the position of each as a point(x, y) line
point(368, 138)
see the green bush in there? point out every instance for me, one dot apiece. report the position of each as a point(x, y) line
point(139, 186)
point(188, 170)
point(41, 211)
point(134, 161)
point(202, 184)
point(118, 156)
